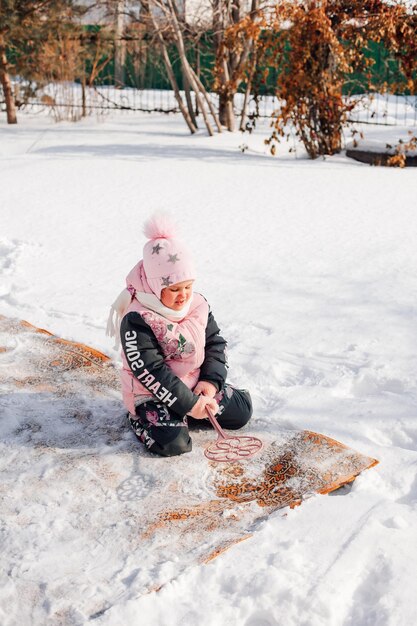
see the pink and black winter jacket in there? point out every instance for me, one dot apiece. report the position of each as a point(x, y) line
point(165, 359)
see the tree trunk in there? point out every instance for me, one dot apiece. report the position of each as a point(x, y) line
point(207, 98)
point(247, 92)
point(226, 96)
point(195, 82)
point(174, 84)
point(231, 64)
point(226, 110)
point(197, 70)
point(83, 98)
point(244, 113)
point(190, 107)
point(171, 75)
point(187, 68)
point(218, 23)
point(119, 45)
point(7, 85)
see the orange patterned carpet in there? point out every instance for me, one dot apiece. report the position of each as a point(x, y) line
point(291, 467)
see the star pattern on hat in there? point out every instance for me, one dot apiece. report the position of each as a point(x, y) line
point(156, 249)
point(173, 258)
point(166, 282)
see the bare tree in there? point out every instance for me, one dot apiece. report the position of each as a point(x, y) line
point(119, 43)
point(6, 83)
point(234, 30)
point(169, 26)
point(24, 27)
point(170, 72)
point(184, 25)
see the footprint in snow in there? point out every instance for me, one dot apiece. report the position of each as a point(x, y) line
point(261, 618)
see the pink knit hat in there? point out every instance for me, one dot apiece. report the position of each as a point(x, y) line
point(166, 260)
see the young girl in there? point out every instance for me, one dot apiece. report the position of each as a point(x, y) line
point(174, 361)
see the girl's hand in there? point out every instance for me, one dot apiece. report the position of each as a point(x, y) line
point(205, 389)
point(199, 410)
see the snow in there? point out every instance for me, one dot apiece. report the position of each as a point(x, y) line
point(310, 270)
point(387, 142)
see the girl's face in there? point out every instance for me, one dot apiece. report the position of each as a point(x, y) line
point(176, 296)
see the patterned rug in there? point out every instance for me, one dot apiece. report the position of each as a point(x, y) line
point(62, 407)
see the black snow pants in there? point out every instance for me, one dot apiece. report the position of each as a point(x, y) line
point(165, 433)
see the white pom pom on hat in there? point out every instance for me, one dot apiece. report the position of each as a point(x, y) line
point(166, 259)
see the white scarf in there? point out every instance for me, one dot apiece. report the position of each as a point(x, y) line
point(150, 301)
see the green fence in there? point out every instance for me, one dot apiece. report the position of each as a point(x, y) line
point(144, 67)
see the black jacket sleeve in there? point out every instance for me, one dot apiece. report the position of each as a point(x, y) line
point(146, 362)
point(214, 367)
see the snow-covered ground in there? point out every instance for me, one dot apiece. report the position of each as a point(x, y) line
point(310, 269)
